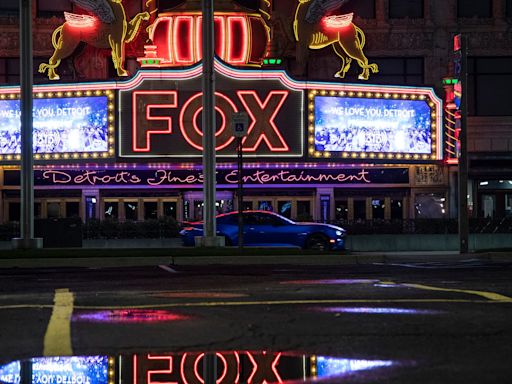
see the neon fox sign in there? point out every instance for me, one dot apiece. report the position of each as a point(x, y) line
point(167, 122)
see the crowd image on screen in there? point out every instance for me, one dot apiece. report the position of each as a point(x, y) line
point(365, 139)
point(60, 134)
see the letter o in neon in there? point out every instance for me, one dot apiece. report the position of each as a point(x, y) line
point(189, 115)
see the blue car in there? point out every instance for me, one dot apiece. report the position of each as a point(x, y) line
point(263, 228)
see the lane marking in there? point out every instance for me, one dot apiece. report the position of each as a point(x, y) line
point(256, 303)
point(488, 295)
point(57, 339)
point(168, 269)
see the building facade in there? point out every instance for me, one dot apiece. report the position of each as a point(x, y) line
point(140, 171)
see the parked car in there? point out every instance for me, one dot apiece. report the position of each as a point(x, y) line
point(263, 228)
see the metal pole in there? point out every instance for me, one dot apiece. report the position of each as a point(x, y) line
point(463, 158)
point(209, 124)
point(240, 195)
point(26, 239)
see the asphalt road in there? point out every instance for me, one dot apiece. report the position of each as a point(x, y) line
point(409, 322)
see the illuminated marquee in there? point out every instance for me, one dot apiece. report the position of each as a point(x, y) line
point(233, 367)
point(63, 370)
point(163, 119)
point(66, 125)
point(373, 125)
point(240, 39)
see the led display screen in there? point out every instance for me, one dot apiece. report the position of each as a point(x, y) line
point(377, 125)
point(60, 125)
point(333, 366)
point(60, 370)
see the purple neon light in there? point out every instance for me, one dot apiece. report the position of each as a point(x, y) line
point(379, 310)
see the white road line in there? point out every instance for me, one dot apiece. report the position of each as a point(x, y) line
point(57, 339)
point(168, 269)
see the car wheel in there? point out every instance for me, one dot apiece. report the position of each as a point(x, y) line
point(317, 242)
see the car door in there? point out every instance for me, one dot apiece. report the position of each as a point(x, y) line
point(266, 229)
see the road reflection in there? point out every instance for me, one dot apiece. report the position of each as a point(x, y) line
point(231, 367)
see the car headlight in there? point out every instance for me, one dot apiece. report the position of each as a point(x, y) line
point(339, 233)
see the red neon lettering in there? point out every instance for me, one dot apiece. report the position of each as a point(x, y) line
point(265, 368)
point(183, 39)
point(188, 368)
point(262, 115)
point(190, 113)
point(190, 372)
point(219, 23)
point(237, 40)
point(162, 371)
point(141, 123)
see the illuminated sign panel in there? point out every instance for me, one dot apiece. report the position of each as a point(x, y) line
point(63, 370)
point(163, 119)
point(255, 177)
point(380, 125)
point(67, 126)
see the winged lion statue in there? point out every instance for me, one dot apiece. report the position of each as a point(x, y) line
point(315, 27)
point(107, 27)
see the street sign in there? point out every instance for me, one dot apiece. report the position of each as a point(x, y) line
point(239, 124)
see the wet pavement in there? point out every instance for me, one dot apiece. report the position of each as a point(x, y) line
point(403, 322)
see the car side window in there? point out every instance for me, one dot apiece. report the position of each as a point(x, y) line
point(250, 219)
point(228, 219)
point(268, 220)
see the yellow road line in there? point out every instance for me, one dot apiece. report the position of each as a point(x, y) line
point(57, 339)
point(488, 295)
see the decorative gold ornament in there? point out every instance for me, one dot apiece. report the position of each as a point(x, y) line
point(107, 28)
point(315, 28)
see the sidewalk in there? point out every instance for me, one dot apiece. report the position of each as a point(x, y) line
point(134, 258)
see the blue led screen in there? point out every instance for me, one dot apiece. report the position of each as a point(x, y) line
point(350, 124)
point(60, 370)
point(60, 125)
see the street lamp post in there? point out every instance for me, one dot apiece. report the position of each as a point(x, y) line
point(209, 238)
point(26, 239)
point(460, 44)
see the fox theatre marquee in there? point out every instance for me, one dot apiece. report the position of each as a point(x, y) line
point(132, 150)
point(162, 117)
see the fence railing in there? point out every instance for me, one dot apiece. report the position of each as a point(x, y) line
point(168, 227)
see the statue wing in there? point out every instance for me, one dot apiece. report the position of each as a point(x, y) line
point(320, 8)
point(100, 8)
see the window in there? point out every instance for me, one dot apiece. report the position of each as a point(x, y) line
point(378, 207)
point(489, 81)
point(508, 11)
point(49, 8)
point(393, 70)
point(341, 210)
point(72, 209)
point(131, 210)
point(285, 208)
point(361, 8)
point(169, 208)
point(359, 210)
point(111, 209)
point(396, 209)
point(150, 210)
point(9, 70)
point(399, 9)
point(9, 7)
point(53, 210)
point(14, 211)
point(304, 210)
point(472, 8)
point(430, 206)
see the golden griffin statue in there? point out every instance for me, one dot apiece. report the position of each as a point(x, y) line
point(315, 28)
point(107, 27)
